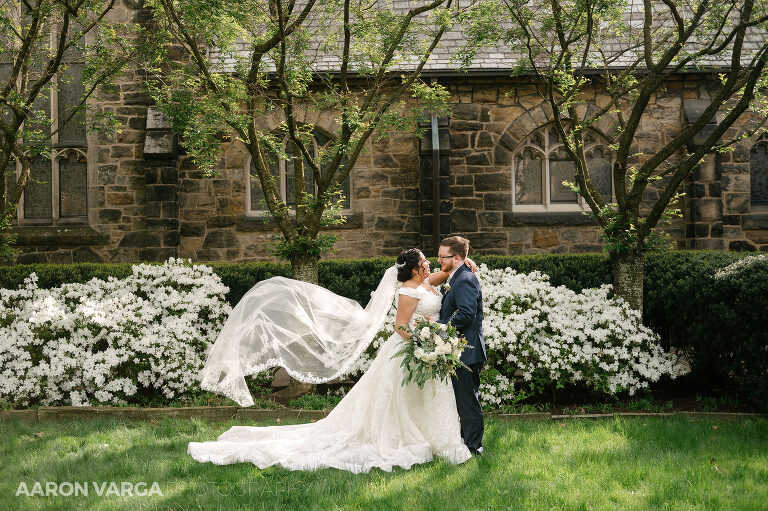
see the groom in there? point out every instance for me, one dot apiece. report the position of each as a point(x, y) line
point(463, 308)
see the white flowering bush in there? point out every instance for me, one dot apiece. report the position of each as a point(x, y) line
point(498, 390)
point(741, 266)
point(556, 336)
point(117, 341)
point(108, 341)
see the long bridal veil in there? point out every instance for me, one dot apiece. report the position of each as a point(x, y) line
point(315, 334)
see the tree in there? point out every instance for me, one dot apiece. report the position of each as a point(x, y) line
point(574, 47)
point(225, 67)
point(44, 44)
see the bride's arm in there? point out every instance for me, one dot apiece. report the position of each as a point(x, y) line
point(406, 306)
point(437, 278)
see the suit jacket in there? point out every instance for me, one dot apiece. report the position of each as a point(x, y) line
point(463, 308)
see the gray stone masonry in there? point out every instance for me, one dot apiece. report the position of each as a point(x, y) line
point(145, 203)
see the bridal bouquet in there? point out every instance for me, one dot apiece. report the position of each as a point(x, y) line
point(432, 351)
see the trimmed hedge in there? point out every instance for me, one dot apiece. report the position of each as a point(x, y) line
point(54, 275)
point(729, 338)
point(717, 325)
point(239, 277)
point(353, 278)
point(673, 287)
point(721, 324)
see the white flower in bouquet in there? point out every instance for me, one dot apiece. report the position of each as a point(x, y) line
point(432, 351)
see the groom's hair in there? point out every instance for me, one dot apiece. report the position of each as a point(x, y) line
point(459, 246)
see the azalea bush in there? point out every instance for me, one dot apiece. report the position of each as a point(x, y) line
point(557, 337)
point(144, 335)
point(110, 341)
point(498, 390)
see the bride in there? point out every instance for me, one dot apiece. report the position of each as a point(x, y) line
point(318, 336)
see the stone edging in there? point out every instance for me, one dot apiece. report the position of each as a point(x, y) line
point(224, 413)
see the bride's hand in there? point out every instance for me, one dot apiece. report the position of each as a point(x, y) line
point(470, 264)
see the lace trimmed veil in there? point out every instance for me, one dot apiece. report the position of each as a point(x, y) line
point(315, 334)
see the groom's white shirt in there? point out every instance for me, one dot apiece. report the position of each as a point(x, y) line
point(450, 275)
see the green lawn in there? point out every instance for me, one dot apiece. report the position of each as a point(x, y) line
point(617, 463)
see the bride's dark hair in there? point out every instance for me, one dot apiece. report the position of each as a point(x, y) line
point(407, 261)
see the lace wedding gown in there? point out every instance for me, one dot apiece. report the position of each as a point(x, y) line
point(379, 423)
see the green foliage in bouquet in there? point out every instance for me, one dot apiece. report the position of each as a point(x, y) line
point(432, 352)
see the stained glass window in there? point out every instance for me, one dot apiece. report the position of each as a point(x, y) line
point(58, 184)
point(541, 165)
point(284, 171)
point(758, 173)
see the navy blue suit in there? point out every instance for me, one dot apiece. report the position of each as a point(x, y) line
point(463, 308)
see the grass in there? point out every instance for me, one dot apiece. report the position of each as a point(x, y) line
point(201, 398)
point(262, 399)
point(315, 402)
point(658, 463)
point(714, 403)
point(630, 405)
point(634, 404)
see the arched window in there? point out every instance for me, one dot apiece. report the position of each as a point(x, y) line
point(758, 172)
point(540, 165)
point(57, 189)
point(283, 171)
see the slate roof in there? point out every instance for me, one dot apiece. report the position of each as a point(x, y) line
point(501, 59)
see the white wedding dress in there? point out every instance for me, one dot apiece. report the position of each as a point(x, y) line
point(379, 423)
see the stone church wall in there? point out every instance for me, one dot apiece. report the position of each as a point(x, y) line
point(148, 202)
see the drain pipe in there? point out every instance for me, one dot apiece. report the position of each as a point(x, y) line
point(435, 181)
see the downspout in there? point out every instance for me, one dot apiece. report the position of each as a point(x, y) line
point(435, 181)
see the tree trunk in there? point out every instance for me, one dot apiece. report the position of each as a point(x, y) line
point(628, 271)
point(305, 268)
